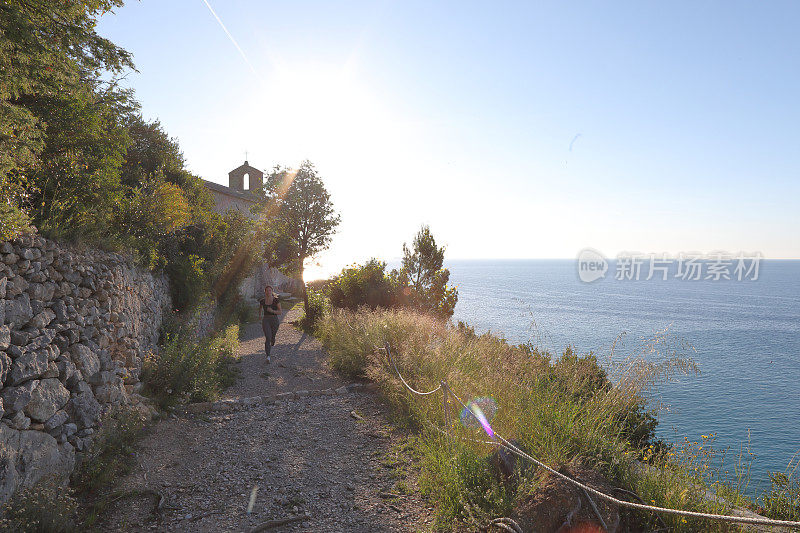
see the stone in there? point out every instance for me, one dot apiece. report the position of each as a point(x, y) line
point(46, 400)
point(10, 259)
point(36, 291)
point(52, 370)
point(29, 254)
point(43, 319)
point(28, 456)
point(16, 398)
point(66, 369)
point(20, 337)
point(5, 367)
point(18, 311)
point(84, 410)
point(60, 309)
point(86, 360)
point(14, 351)
point(111, 393)
point(42, 338)
point(3, 282)
point(56, 420)
point(5, 337)
point(28, 366)
point(20, 421)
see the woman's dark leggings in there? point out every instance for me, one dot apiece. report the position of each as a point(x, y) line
point(270, 326)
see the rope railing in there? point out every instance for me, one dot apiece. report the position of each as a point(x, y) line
point(499, 440)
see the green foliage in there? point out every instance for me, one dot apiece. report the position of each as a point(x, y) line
point(47, 48)
point(300, 215)
point(316, 308)
point(185, 370)
point(82, 164)
point(47, 507)
point(188, 280)
point(13, 221)
point(561, 409)
point(365, 284)
point(425, 278)
point(782, 500)
point(111, 452)
point(421, 282)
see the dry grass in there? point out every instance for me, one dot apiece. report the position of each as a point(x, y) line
point(562, 411)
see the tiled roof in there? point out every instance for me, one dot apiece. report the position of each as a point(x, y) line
point(243, 195)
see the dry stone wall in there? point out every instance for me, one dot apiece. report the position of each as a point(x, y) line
point(75, 326)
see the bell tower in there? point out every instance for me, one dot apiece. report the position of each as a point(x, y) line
point(236, 178)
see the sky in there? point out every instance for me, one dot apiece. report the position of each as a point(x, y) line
point(515, 130)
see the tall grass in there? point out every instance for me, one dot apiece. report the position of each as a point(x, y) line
point(563, 410)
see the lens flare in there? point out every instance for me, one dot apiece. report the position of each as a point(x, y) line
point(483, 409)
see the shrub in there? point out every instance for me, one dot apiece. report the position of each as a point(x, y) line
point(317, 307)
point(365, 285)
point(111, 452)
point(187, 280)
point(12, 221)
point(562, 411)
point(187, 371)
point(47, 507)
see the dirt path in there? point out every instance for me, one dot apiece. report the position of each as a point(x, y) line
point(309, 457)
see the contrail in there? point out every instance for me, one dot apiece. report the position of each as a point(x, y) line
point(249, 64)
point(570, 144)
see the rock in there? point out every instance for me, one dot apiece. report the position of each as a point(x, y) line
point(36, 291)
point(16, 398)
point(84, 410)
point(42, 338)
point(10, 259)
point(28, 456)
point(5, 337)
point(20, 421)
point(3, 282)
point(20, 337)
point(46, 400)
point(60, 309)
point(5, 367)
point(18, 311)
point(43, 319)
point(66, 369)
point(56, 420)
point(14, 351)
point(111, 393)
point(28, 366)
point(86, 360)
point(30, 254)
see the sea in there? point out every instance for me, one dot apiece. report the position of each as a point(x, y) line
point(743, 333)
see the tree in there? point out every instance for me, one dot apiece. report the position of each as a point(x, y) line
point(300, 214)
point(47, 48)
point(424, 276)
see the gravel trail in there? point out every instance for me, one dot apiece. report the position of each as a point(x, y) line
point(330, 463)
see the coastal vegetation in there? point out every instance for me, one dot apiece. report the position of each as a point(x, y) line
point(571, 411)
point(420, 283)
point(564, 410)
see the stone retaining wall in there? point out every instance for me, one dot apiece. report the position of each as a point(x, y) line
point(75, 326)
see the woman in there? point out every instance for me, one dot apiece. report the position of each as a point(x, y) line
point(269, 311)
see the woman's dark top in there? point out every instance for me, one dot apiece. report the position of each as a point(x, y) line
point(273, 305)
